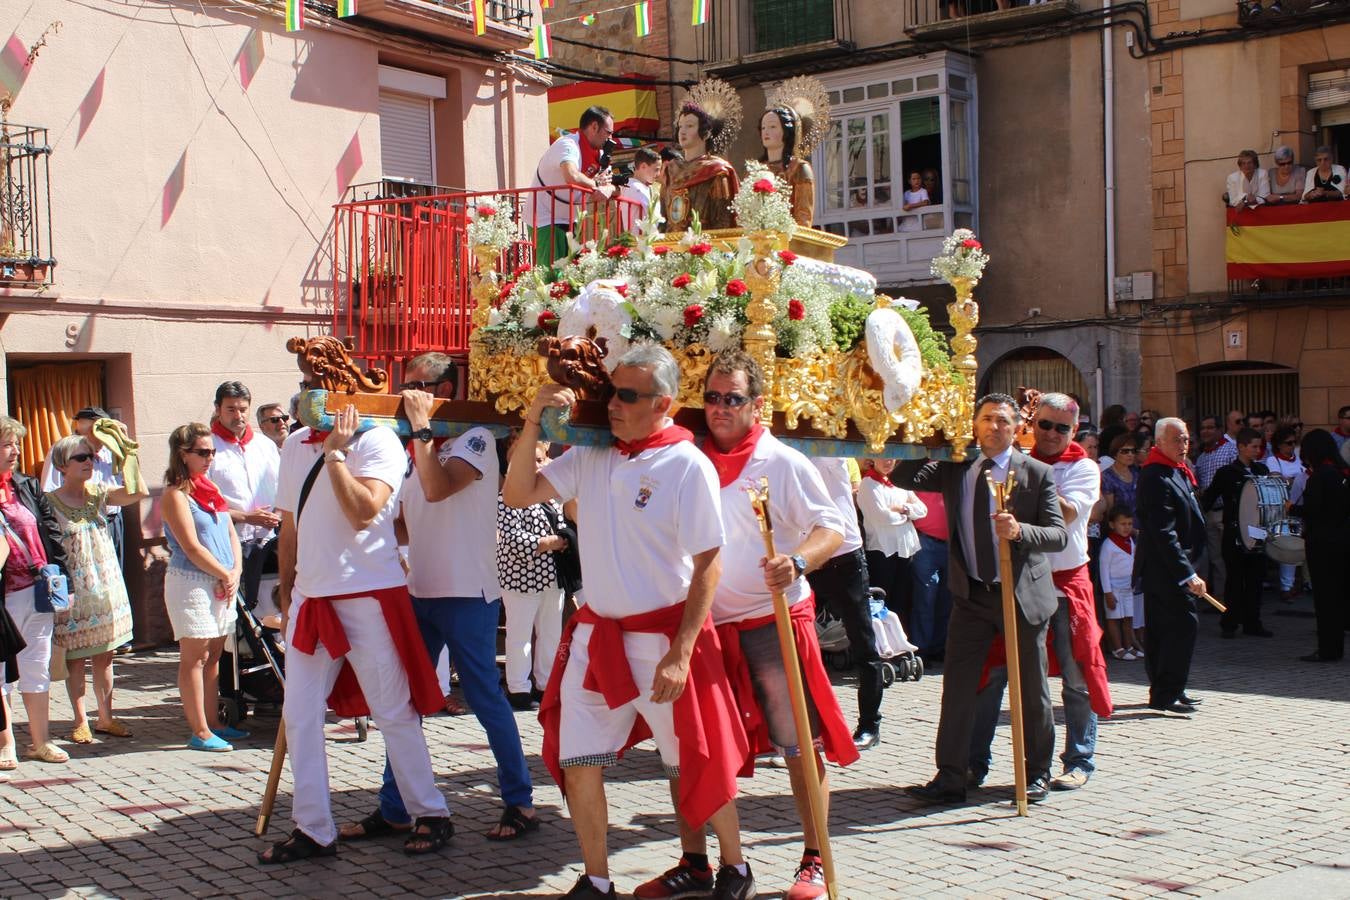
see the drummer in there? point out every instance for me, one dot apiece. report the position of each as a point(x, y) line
point(1245, 567)
point(1283, 461)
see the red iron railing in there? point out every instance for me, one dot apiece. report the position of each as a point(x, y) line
point(402, 266)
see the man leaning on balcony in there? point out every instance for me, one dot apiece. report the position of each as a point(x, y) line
point(573, 159)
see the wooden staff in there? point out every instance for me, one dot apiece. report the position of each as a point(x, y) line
point(1215, 603)
point(1000, 492)
point(815, 799)
point(273, 781)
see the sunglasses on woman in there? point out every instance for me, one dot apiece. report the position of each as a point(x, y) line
point(81, 457)
point(1047, 425)
point(1127, 450)
point(203, 452)
point(730, 400)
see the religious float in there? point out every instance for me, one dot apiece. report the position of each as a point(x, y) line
point(849, 372)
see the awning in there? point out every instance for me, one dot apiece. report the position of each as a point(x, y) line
point(1303, 240)
point(633, 107)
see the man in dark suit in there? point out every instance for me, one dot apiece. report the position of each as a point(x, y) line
point(1245, 568)
point(1034, 525)
point(1171, 538)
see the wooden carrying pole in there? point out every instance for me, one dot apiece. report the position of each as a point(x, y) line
point(1000, 492)
point(759, 499)
point(273, 781)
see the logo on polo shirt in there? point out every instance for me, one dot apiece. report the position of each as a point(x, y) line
point(476, 444)
point(645, 492)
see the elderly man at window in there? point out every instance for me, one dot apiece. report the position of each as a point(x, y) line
point(1285, 178)
point(1248, 186)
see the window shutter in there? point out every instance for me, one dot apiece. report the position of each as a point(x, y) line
point(405, 137)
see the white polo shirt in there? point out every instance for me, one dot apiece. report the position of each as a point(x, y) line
point(247, 477)
point(1078, 484)
point(798, 503)
point(452, 545)
point(330, 557)
point(640, 522)
point(834, 473)
point(556, 207)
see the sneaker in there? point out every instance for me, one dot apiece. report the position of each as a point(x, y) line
point(585, 889)
point(810, 881)
point(732, 885)
point(212, 744)
point(683, 880)
point(1122, 653)
point(227, 733)
point(1071, 780)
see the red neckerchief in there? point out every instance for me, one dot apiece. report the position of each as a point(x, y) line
point(1281, 456)
point(671, 434)
point(1072, 453)
point(204, 491)
point(1157, 456)
point(590, 157)
point(6, 486)
point(1126, 544)
point(731, 464)
point(877, 476)
point(227, 435)
point(316, 436)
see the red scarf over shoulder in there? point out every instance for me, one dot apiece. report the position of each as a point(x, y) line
point(877, 476)
point(713, 747)
point(206, 495)
point(1157, 456)
point(1071, 453)
point(731, 464)
point(227, 435)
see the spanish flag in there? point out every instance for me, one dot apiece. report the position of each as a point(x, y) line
point(479, 17)
point(1298, 240)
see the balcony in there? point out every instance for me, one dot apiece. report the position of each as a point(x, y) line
point(746, 36)
point(25, 207)
point(508, 21)
point(1294, 251)
point(936, 20)
point(1282, 14)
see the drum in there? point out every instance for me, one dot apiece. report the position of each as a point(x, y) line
point(1285, 543)
point(1260, 508)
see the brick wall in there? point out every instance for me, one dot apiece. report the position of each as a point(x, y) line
point(1168, 145)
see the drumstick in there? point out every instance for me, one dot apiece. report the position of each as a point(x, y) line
point(1215, 603)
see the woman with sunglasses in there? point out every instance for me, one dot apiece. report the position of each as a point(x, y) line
point(1121, 477)
point(1285, 178)
point(100, 613)
point(201, 581)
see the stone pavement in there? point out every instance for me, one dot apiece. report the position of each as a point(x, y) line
point(1252, 787)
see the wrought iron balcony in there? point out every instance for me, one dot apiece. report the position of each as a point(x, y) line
point(747, 35)
point(942, 19)
point(25, 206)
point(507, 20)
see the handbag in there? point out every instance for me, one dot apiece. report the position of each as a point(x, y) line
point(566, 563)
point(51, 588)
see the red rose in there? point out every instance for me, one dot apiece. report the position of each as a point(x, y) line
point(621, 289)
point(787, 257)
point(971, 244)
point(521, 270)
point(618, 251)
point(548, 319)
point(692, 313)
point(700, 249)
point(487, 211)
point(764, 186)
point(796, 310)
point(505, 291)
point(661, 249)
point(681, 280)
point(560, 290)
point(736, 288)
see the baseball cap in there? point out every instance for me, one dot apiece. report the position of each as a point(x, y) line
point(93, 412)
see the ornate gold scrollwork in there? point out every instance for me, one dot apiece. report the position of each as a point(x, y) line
point(762, 276)
point(480, 361)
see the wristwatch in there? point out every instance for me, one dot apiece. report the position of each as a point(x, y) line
point(335, 456)
point(799, 563)
point(423, 434)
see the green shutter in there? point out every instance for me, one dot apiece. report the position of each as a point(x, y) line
point(792, 23)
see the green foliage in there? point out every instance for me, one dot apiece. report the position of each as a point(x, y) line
point(848, 315)
point(932, 345)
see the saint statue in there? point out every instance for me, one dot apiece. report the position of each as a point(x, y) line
point(703, 182)
point(798, 114)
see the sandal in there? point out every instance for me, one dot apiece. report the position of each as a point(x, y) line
point(453, 707)
point(298, 846)
point(48, 753)
point(437, 833)
point(116, 728)
point(514, 817)
point(8, 761)
point(82, 735)
point(372, 826)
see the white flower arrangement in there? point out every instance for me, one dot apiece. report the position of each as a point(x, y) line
point(764, 201)
point(962, 257)
point(491, 223)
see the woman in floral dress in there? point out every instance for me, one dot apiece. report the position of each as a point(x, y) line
point(100, 613)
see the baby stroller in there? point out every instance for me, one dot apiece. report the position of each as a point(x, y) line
point(899, 659)
point(252, 668)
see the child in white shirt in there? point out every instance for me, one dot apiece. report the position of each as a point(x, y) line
point(1124, 606)
point(916, 197)
point(646, 170)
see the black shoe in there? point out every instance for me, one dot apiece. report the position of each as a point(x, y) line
point(974, 780)
point(732, 885)
point(935, 793)
point(1176, 706)
point(1038, 790)
point(585, 889)
point(1259, 632)
point(521, 701)
point(1189, 700)
point(865, 739)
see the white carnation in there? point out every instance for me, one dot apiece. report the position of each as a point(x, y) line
point(665, 319)
point(723, 333)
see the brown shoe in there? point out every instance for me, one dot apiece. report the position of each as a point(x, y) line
point(82, 735)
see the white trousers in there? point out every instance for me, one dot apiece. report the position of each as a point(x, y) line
point(34, 660)
point(533, 629)
point(310, 679)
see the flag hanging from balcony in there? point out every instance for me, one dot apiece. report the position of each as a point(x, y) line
point(479, 17)
point(700, 16)
point(642, 14)
point(543, 42)
point(1303, 240)
point(295, 15)
point(545, 4)
point(346, 8)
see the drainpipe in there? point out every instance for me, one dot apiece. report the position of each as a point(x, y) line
point(510, 179)
point(1109, 156)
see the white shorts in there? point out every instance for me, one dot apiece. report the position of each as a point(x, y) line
point(592, 734)
point(1128, 606)
point(194, 609)
point(34, 660)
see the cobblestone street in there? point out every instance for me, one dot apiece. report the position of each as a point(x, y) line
point(1248, 793)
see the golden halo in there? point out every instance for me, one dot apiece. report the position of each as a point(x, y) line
point(721, 102)
point(807, 97)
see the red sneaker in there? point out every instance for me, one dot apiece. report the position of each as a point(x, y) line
point(681, 881)
point(810, 882)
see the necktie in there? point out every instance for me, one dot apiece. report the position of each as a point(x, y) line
point(986, 566)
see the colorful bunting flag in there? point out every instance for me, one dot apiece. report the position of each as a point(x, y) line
point(642, 14)
point(479, 17)
point(173, 189)
point(250, 57)
point(587, 20)
point(13, 66)
point(700, 16)
point(89, 106)
point(543, 42)
point(545, 4)
point(346, 8)
point(295, 15)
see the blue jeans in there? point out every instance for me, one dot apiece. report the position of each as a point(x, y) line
point(1080, 722)
point(468, 626)
point(932, 600)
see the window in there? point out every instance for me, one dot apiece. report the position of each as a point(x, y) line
point(407, 124)
point(792, 23)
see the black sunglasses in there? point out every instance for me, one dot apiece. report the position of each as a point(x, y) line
point(424, 385)
point(1047, 425)
point(80, 457)
point(203, 452)
point(272, 420)
point(729, 400)
point(628, 395)
point(1127, 450)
